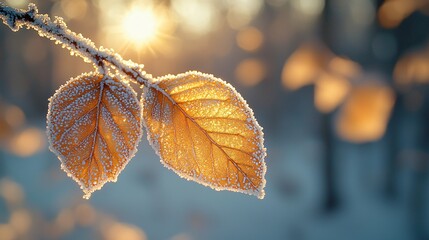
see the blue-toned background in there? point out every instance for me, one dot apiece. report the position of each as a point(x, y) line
point(340, 87)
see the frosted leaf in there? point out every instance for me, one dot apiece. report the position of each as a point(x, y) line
point(94, 125)
point(204, 131)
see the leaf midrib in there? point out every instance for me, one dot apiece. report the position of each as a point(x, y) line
point(96, 130)
point(162, 91)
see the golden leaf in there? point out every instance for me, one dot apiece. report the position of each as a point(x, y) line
point(94, 126)
point(204, 131)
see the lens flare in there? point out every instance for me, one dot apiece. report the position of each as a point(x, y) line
point(140, 26)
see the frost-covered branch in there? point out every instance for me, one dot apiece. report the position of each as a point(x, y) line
point(57, 31)
point(196, 105)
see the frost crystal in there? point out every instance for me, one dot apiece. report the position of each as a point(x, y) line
point(94, 125)
point(204, 131)
point(198, 124)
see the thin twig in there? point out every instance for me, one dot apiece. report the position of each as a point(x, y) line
point(57, 31)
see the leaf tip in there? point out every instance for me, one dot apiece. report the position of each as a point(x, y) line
point(219, 132)
point(85, 121)
point(87, 195)
point(261, 192)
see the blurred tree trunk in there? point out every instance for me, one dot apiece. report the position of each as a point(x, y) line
point(3, 68)
point(330, 201)
point(420, 177)
point(392, 168)
point(418, 201)
point(408, 35)
point(3, 86)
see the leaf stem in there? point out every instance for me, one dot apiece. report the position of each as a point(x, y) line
point(56, 30)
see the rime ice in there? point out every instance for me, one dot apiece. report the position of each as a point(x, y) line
point(204, 131)
point(198, 124)
point(87, 131)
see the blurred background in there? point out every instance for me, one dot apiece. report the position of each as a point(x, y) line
point(340, 87)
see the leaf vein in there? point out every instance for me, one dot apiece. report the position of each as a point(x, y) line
point(123, 105)
point(193, 146)
point(202, 99)
point(209, 137)
point(75, 122)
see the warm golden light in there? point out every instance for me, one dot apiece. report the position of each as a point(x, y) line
point(11, 118)
point(7, 232)
point(74, 9)
point(393, 12)
point(14, 116)
point(27, 142)
point(140, 26)
point(17, 3)
point(365, 114)
point(330, 91)
point(118, 230)
point(412, 68)
point(344, 67)
point(196, 17)
point(142, 29)
point(302, 68)
point(250, 39)
point(11, 192)
point(214, 128)
point(250, 72)
point(21, 221)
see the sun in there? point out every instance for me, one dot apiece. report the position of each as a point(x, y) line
point(140, 26)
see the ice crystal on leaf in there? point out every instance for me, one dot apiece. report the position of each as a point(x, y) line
point(198, 124)
point(94, 126)
point(204, 131)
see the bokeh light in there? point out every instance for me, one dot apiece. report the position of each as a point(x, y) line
point(330, 91)
point(74, 9)
point(345, 80)
point(412, 68)
point(250, 72)
point(7, 232)
point(17, 3)
point(14, 116)
point(250, 39)
point(344, 67)
point(21, 221)
point(197, 17)
point(11, 119)
point(310, 8)
point(392, 12)
point(118, 231)
point(27, 142)
point(302, 68)
point(11, 192)
point(365, 114)
point(241, 12)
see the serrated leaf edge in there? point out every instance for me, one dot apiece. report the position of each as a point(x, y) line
point(260, 192)
point(99, 185)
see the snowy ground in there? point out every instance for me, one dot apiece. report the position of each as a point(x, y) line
point(165, 206)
